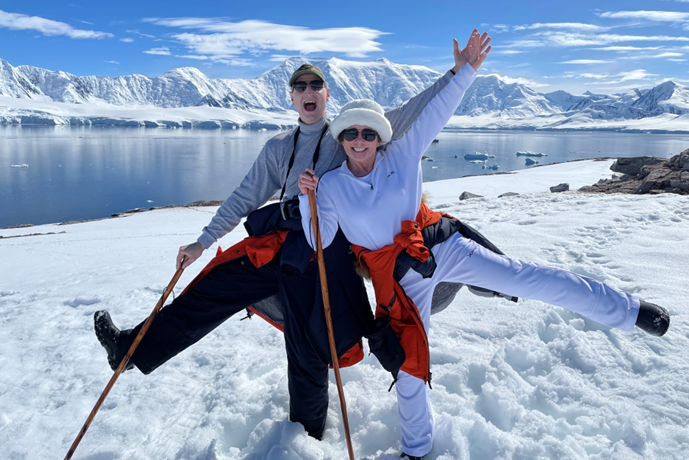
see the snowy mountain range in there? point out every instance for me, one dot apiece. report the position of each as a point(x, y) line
point(30, 95)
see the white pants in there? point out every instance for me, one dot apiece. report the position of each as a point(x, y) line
point(463, 261)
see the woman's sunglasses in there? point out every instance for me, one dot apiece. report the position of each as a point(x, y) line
point(315, 85)
point(367, 134)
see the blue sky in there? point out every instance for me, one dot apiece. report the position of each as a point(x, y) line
point(599, 46)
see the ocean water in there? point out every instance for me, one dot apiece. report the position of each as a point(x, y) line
point(90, 173)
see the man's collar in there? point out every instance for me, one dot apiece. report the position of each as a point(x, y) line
point(314, 128)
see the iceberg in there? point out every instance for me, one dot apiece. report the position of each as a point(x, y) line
point(478, 156)
point(528, 153)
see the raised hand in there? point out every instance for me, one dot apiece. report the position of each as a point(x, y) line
point(474, 53)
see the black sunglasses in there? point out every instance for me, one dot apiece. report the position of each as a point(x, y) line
point(316, 85)
point(367, 134)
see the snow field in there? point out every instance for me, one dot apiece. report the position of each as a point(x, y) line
point(510, 381)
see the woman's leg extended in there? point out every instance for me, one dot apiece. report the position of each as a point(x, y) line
point(462, 260)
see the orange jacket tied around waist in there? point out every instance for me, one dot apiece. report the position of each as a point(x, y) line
point(261, 250)
point(390, 297)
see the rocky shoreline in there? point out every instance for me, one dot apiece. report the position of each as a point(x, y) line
point(646, 175)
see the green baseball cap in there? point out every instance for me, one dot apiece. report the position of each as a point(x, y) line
point(306, 69)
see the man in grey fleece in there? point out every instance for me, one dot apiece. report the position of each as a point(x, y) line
point(226, 288)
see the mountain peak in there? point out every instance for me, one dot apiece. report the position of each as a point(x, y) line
point(185, 72)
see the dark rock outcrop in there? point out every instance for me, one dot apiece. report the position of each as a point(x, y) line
point(468, 196)
point(560, 188)
point(646, 175)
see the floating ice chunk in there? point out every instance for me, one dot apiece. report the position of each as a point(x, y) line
point(478, 156)
point(530, 162)
point(528, 153)
point(493, 167)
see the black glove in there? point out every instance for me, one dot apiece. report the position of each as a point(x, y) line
point(385, 344)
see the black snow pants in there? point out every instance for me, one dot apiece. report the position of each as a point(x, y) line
point(235, 285)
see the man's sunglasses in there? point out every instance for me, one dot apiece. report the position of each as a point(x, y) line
point(367, 134)
point(316, 85)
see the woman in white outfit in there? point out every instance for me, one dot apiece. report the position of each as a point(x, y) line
point(377, 189)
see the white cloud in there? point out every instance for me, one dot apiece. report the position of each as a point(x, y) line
point(564, 39)
point(500, 28)
point(236, 62)
point(677, 60)
point(675, 17)
point(639, 74)
point(628, 48)
point(585, 61)
point(190, 56)
point(664, 55)
point(112, 62)
point(509, 52)
point(136, 32)
point(658, 16)
point(224, 39)
point(563, 25)
point(49, 27)
point(653, 56)
point(127, 40)
point(281, 57)
point(592, 75)
point(163, 51)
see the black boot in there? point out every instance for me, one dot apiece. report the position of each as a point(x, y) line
point(653, 319)
point(115, 342)
point(410, 457)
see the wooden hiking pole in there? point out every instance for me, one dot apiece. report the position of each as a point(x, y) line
point(328, 318)
point(126, 359)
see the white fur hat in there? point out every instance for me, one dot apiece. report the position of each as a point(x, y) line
point(364, 112)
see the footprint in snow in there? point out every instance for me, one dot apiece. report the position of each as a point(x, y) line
point(78, 302)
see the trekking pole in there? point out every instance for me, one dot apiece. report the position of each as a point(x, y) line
point(328, 318)
point(126, 359)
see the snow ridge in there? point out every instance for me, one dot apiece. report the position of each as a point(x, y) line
point(491, 98)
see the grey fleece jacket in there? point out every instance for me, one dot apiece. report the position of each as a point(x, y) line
point(269, 171)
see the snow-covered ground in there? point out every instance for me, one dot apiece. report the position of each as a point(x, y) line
point(511, 381)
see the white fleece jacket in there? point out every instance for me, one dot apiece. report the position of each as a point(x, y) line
point(370, 209)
